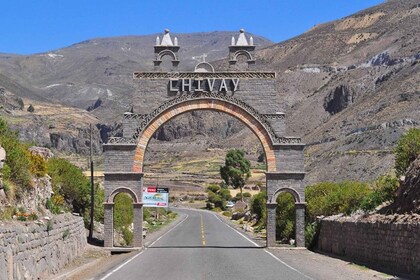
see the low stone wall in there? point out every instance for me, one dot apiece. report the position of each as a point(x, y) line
point(33, 251)
point(394, 246)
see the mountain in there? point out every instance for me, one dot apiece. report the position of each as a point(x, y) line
point(100, 70)
point(349, 87)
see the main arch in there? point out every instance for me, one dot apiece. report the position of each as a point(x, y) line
point(249, 96)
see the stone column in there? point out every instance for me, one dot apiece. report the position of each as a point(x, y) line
point(271, 224)
point(109, 225)
point(300, 224)
point(138, 225)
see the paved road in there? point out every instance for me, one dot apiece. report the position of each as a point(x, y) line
point(201, 246)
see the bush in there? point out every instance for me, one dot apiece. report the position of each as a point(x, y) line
point(54, 208)
point(17, 159)
point(407, 150)
point(383, 190)
point(247, 194)
point(123, 211)
point(311, 234)
point(213, 188)
point(329, 198)
point(31, 108)
point(69, 181)
point(38, 165)
point(127, 235)
point(285, 216)
point(258, 207)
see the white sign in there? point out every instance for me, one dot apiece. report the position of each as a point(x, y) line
point(155, 197)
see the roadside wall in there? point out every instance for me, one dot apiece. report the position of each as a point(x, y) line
point(33, 251)
point(394, 246)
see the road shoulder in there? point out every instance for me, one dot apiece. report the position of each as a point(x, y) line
point(96, 261)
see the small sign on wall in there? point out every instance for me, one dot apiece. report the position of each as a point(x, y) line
point(155, 197)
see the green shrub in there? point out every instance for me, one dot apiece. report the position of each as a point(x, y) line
point(66, 234)
point(311, 234)
point(407, 150)
point(227, 214)
point(127, 236)
point(69, 181)
point(258, 207)
point(123, 211)
point(285, 216)
point(50, 225)
point(50, 205)
point(17, 158)
point(247, 194)
point(225, 194)
point(213, 188)
point(383, 190)
point(329, 198)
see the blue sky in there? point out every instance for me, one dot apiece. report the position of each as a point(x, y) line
point(38, 26)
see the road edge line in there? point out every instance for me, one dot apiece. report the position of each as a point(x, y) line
point(265, 250)
point(121, 265)
point(240, 233)
point(287, 265)
point(132, 258)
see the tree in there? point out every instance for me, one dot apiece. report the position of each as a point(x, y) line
point(236, 170)
point(407, 150)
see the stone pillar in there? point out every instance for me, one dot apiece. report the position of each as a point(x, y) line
point(138, 225)
point(300, 224)
point(109, 225)
point(271, 224)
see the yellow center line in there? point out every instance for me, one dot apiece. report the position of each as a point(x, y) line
point(203, 239)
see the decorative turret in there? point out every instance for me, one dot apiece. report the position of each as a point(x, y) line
point(164, 48)
point(241, 48)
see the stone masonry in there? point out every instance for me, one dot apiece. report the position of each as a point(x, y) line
point(33, 251)
point(393, 246)
point(247, 95)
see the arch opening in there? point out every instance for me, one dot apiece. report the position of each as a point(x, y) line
point(204, 104)
point(123, 219)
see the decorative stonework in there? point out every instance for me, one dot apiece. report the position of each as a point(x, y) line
point(204, 75)
point(146, 119)
point(278, 116)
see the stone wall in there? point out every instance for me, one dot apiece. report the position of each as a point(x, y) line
point(393, 246)
point(33, 251)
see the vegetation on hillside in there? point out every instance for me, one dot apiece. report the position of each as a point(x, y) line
point(71, 188)
point(407, 150)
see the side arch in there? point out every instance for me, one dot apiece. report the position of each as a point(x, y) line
point(123, 190)
point(293, 192)
point(204, 104)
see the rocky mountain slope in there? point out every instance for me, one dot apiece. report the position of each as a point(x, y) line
point(350, 88)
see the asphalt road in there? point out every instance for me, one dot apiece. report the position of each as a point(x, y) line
point(202, 246)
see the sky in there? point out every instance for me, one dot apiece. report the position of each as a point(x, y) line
point(29, 27)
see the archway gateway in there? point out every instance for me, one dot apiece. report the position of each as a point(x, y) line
point(249, 96)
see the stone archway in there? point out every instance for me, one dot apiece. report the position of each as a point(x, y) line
point(249, 96)
point(204, 104)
